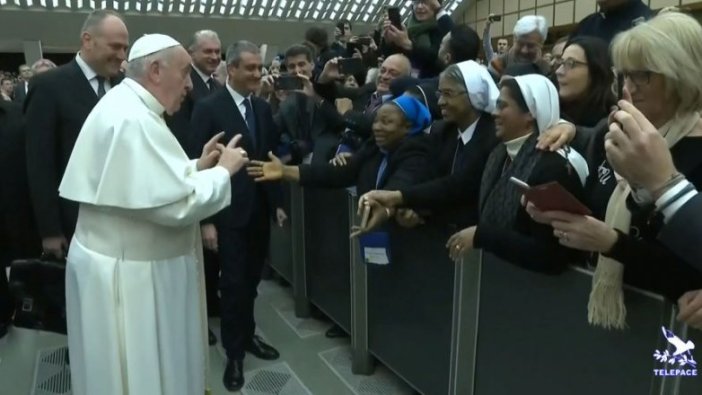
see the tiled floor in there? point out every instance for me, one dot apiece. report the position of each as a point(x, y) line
point(301, 343)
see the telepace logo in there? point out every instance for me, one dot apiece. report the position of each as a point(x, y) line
point(681, 361)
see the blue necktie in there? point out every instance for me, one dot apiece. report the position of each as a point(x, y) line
point(381, 170)
point(250, 120)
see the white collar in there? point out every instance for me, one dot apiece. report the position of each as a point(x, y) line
point(85, 68)
point(467, 134)
point(202, 75)
point(513, 146)
point(149, 100)
point(238, 98)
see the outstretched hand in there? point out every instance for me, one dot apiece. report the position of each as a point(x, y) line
point(373, 215)
point(266, 171)
point(231, 157)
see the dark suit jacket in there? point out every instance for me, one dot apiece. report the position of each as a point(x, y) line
point(179, 123)
point(683, 232)
point(17, 225)
point(20, 94)
point(218, 112)
point(444, 139)
point(461, 188)
point(407, 165)
point(57, 104)
point(359, 121)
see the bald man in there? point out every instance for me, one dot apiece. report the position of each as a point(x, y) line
point(373, 94)
point(57, 104)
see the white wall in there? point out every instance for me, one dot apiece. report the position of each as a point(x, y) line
point(59, 30)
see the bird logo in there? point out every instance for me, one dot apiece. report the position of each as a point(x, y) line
point(682, 353)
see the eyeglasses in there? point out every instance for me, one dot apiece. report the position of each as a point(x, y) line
point(637, 77)
point(569, 63)
point(449, 94)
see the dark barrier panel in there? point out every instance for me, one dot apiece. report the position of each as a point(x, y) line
point(327, 267)
point(410, 308)
point(691, 385)
point(280, 252)
point(534, 338)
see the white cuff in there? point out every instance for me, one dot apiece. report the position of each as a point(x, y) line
point(670, 211)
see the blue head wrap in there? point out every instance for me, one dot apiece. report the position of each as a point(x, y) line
point(415, 112)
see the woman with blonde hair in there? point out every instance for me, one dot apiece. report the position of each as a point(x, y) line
point(659, 61)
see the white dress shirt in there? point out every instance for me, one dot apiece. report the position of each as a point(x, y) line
point(91, 75)
point(239, 100)
point(467, 134)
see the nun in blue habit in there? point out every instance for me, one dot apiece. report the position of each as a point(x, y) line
point(397, 155)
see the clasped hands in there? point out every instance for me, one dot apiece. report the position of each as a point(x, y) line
point(228, 156)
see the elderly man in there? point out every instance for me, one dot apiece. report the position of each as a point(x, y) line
point(134, 278)
point(529, 36)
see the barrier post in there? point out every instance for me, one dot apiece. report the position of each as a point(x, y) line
point(297, 206)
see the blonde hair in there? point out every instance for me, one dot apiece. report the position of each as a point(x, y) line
point(670, 45)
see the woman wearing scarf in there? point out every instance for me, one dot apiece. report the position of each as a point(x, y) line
point(659, 63)
point(421, 38)
point(396, 157)
point(528, 105)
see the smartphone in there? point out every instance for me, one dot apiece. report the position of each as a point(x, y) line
point(288, 83)
point(351, 66)
point(551, 197)
point(394, 17)
point(364, 40)
point(495, 18)
point(620, 86)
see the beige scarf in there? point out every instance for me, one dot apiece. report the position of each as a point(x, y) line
point(606, 305)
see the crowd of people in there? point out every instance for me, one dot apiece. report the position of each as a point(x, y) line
point(140, 163)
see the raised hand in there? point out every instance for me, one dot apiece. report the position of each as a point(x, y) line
point(266, 171)
point(231, 157)
point(210, 153)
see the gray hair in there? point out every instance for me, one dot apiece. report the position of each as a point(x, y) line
point(43, 62)
point(139, 67)
point(453, 72)
point(200, 35)
point(235, 50)
point(95, 19)
point(530, 24)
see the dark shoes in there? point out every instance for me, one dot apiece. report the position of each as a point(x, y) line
point(234, 375)
point(211, 338)
point(261, 350)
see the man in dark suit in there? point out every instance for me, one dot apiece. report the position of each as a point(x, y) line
point(240, 233)
point(206, 51)
point(22, 86)
point(57, 104)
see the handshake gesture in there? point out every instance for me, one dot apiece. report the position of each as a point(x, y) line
point(230, 156)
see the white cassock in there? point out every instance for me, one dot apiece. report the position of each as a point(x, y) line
point(134, 277)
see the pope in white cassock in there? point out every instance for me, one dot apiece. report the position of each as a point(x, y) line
point(134, 278)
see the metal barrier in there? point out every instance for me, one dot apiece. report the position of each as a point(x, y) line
point(280, 251)
point(480, 327)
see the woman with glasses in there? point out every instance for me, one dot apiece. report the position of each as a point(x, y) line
point(659, 62)
point(585, 79)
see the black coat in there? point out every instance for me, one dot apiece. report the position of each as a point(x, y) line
point(407, 165)
point(17, 226)
point(218, 112)
point(606, 25)
point(57, 104)
point(19, 94)
point(179, 123)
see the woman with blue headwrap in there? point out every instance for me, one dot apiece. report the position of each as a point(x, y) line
point(396, 157)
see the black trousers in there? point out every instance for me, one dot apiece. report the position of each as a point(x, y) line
point(242, 253)
point(212, 282)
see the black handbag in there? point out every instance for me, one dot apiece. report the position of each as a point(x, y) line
point(39, 290)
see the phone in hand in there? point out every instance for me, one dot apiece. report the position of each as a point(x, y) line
point(288, 82)
point(394, 17)
point(351, 66)
point(366, 216)
point(551, 197)
point(620, 86)
point(495, 18)
point(364, 41)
